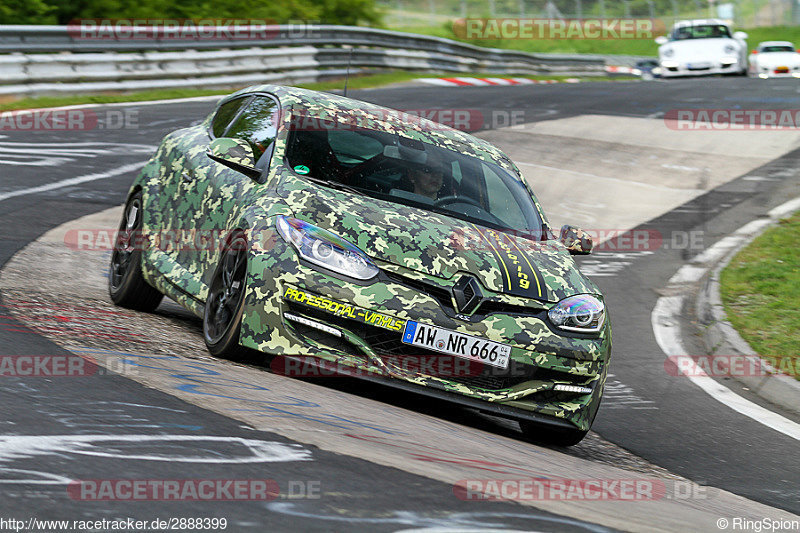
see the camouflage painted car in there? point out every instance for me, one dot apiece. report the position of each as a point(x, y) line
point(319, 228)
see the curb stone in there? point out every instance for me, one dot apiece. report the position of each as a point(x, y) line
point(721, 338)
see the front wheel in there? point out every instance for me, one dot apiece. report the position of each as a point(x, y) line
point(222, 318)
point(556, 437)
point(126, 285)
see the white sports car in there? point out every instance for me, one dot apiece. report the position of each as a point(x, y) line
point(775, 59)
point(702, 47)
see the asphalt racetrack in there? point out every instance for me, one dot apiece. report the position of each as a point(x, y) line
point(343, 454)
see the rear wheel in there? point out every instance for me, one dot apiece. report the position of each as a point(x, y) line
point(222, 318)
point(126, 285)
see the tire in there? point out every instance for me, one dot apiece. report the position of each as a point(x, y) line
point(222, 318)
point(546, 435)
point(126, 285)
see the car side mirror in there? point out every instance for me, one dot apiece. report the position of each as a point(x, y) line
point(577, 241)
point(661, 40)
point(235, 154)
point(739, 35)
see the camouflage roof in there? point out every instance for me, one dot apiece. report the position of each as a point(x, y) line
point(386, 119)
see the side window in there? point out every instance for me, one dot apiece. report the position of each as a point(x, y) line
point(225, 114)
point(257, 125)
point(502, 203)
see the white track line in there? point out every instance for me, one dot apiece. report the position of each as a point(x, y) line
point(73, 181)
point(666, 327)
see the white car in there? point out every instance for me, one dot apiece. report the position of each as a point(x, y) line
point(702, 47)
point(775, 59)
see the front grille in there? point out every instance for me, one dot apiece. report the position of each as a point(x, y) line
point(493, 378)
point(402, 357)
point(442, 295)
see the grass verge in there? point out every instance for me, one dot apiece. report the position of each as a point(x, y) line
point(760, 289)
point(355, 82)
point(58, 101)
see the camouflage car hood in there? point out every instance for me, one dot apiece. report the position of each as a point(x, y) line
point(442, 246)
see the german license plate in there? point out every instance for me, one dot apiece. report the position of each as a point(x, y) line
point(455, 343)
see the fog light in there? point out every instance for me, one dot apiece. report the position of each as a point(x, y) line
point(572, 388)
point(313, 324)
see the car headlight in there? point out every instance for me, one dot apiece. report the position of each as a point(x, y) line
point(323, 248)
point(583, 313)
point(729, 49)
point(668, 52)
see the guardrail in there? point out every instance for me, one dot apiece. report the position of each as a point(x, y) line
point(62, 59)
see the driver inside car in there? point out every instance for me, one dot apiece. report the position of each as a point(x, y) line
point(426, 180)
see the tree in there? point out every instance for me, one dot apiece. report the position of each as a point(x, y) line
point(350, 12)
point(26, 12)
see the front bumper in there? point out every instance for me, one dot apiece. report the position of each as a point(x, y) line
point(363, 327)
point(698, 68)
point(779, 73)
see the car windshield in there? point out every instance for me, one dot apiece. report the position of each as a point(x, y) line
point(777, 48)
point(387, 166)
point(700, 31)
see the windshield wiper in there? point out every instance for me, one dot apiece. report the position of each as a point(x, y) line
point(335, 185)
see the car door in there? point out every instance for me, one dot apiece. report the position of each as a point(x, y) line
point(221, 192)
point(176, 257)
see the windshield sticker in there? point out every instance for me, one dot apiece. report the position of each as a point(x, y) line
point(302, 169)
